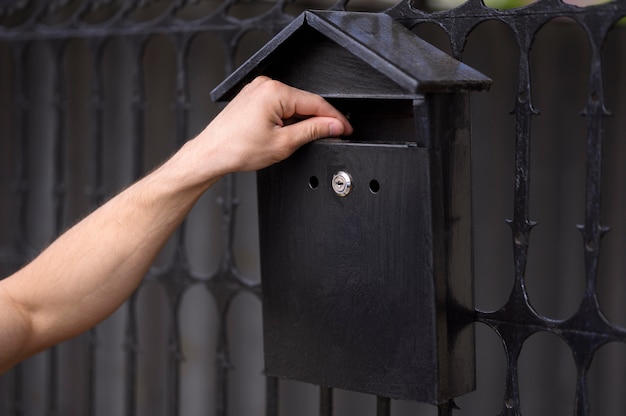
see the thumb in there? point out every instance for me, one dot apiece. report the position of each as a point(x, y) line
point(314, 128)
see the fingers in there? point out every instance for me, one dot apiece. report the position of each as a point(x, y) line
point(313, 128)
point(289, 102)
point(297, 102)
point(257, 128)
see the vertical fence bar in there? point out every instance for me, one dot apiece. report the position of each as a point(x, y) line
point(58, 149)
point(24, 184)
point(223, 366)
point(179, 276)
point(58, 146)
point(95, 198)
point(326, 401)
point(271, 396)
point(224, 287)
point(96, 189)
point(592, 230)
point(90, 370)
point(176, 356)
point(132, 347)
point(223, 298)
point(383, 406)
point(22, 192)
point(138, 45)
point(521, 225)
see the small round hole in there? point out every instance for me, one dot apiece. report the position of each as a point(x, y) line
point(313, 182)
point(374, 186)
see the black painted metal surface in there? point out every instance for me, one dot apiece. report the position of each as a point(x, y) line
point(55, 23)
point(370, 290)
point(329, 52)
point(351, 295)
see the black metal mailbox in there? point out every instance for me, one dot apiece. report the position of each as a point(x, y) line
point(366, 242)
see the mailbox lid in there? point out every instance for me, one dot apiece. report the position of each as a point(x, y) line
point(349, 296)
point(381, 54)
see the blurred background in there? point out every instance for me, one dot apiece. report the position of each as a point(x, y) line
point(82, 117)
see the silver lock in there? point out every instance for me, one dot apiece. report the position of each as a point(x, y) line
point(342, 183)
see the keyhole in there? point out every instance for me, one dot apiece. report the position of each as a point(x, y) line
point(342, 183)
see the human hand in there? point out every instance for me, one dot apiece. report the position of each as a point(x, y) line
point(265, 123)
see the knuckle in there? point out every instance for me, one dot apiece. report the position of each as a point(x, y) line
point(272, 86)
point(256, 82)
point(260, 80)
point(319, 99)
point(317, 131)
point(314, 131)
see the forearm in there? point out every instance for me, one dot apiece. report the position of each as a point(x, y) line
point(91, 269)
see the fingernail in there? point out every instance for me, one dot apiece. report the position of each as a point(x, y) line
point(334, 129)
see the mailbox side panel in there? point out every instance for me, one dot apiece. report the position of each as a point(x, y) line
point(348, 285)
point(461, 309)
point(450, 149)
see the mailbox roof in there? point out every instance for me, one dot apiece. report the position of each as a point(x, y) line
point(382, 46)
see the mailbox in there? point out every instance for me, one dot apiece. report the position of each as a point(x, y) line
point(366, 241)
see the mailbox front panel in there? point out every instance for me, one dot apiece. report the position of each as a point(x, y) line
point(349, 297)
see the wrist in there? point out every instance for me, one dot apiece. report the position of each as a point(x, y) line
point(196, 165)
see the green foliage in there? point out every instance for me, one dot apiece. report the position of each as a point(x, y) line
point(506, 4)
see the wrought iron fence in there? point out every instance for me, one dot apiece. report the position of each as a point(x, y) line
point(96, 92)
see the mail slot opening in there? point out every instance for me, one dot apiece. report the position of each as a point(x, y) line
point(378, 119)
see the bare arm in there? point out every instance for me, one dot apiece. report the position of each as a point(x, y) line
point(89, 271)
